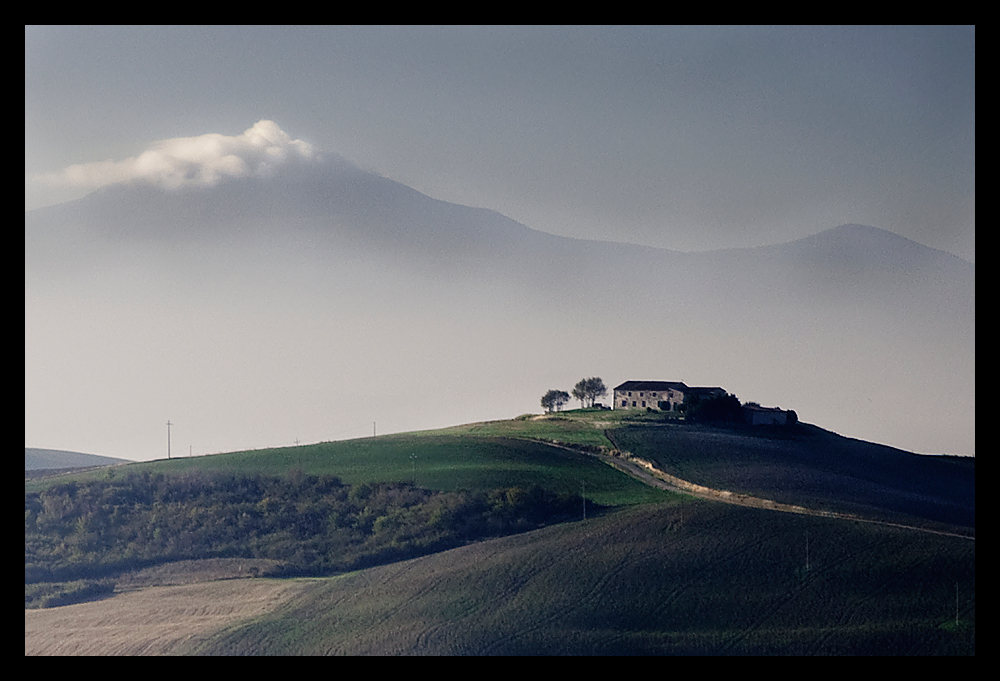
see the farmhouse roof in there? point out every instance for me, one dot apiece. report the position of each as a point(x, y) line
point(757, 407)
point(652, 385)
point(704, 390)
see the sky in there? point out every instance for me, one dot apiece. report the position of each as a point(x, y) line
point(684, 138)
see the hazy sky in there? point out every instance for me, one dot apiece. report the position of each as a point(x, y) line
point(688, 138)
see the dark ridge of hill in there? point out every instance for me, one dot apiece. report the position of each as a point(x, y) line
point(36, 459)
point(811, 467)
point(698, 579)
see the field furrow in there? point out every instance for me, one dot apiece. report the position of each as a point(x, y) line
point(153, 621)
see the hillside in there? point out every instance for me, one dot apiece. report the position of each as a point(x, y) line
point(706, 579)
point(319, 510)
point(35, 459)
point(811, 467)
point(649, 573)
point(805, 465)
point(702, 578)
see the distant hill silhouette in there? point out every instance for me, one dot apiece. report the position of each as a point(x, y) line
point(856, 328)
point(38, 459)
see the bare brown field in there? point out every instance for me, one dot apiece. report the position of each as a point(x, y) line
point(161, 620)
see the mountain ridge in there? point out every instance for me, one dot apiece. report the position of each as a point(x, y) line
point(260, 194)
point(337, 207)
point(477, 296)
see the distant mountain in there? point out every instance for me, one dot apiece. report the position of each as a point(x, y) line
point(37, 459)
point(336, 206)
point(856, 328)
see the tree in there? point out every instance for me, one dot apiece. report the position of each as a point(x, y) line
point(554, 399)
point(588, 390)
point(720, 409)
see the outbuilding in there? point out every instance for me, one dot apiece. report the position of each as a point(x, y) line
point(756, 415)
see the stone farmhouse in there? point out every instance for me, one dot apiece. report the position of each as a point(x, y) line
point(657, 395)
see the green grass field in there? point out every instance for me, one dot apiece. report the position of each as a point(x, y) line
point(438, 462)
point(473, 457)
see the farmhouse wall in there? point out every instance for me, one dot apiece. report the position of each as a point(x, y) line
point(660, 398)
point(765, 416)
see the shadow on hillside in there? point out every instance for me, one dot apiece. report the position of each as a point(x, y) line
point(808, 466)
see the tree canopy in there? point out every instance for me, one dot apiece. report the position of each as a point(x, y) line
point(719, 409)
point(554, 400)
point(313, 525)
point(588, 390)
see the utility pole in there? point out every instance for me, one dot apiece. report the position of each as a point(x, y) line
point(956, 604)
point(807, 550)
point(168, 437)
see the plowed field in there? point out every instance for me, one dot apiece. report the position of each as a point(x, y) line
point(154, 621)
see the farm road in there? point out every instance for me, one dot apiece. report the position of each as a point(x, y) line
point(649, 474)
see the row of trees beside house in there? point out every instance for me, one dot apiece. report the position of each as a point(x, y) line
point(717, 407)
point(587, 390)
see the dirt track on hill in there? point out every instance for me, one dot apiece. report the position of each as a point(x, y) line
point(646, 472)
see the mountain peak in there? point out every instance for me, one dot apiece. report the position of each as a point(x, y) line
point(868, 247)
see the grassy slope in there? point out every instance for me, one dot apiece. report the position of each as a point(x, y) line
point(477, 457)
point(702, 578)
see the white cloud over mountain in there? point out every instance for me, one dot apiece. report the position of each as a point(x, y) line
point(203, 160)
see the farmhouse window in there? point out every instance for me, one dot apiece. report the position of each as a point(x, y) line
point(644, 403)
